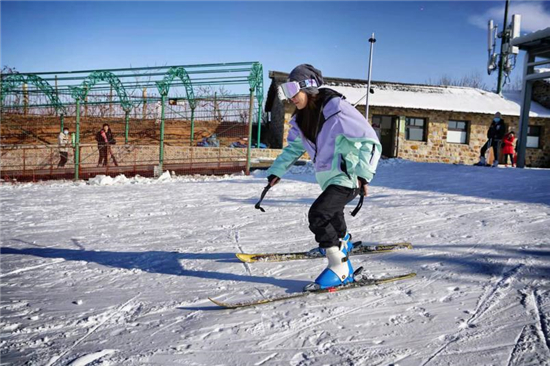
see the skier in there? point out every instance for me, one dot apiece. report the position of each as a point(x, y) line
point(105, 139)
point(345, 151)
point(494, 135)
point(64, 142)
point(508, 148)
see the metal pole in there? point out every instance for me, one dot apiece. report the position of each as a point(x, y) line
point(504, 39)
point(111, 102)
point(526, 92)
point(259, 124)
point(144, 103)
point(57, 95)
point(25, 99)
point(248, 150)
point(86, 105)
point(77, 143)
point(371, 40)
point(161, 153)
point(192, 126)
point(127, 127)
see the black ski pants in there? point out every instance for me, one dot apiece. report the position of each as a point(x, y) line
point(326, 215)
point(63, 156)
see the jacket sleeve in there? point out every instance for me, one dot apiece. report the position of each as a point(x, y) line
point(360, 155)
point(501, 130)
point(292, 152)
point(104, 136)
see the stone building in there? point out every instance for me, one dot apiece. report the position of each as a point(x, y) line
point(426, 123)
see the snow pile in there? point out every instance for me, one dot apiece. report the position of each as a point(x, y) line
point(166, 177)
point(105, 180)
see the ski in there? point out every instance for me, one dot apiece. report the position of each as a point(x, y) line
point(358, 249)
point(356, 284)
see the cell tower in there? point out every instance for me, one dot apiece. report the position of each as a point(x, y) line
point(506, 60)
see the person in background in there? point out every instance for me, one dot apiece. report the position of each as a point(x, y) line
point(345, 151)
point(105, 139)
point(494, 139)
point(508, 148)
point(64, 142)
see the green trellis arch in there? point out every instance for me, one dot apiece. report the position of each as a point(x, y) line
point(80, 92)
point(256, 82)
point(12, 81)
point(163, 87)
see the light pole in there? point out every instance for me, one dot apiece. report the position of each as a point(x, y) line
point(371, 40)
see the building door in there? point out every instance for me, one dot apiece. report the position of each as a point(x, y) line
point(385, 129)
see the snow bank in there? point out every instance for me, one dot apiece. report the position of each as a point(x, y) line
point(166, 177)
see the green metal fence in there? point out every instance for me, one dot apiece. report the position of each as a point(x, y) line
point(208, 105)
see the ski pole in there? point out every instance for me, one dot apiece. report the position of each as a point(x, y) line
point(359, 204)
point(264, 192)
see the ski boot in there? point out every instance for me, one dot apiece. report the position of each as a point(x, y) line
point(495, 164)
point(482, 161)
point(321, 252)
point(339, 270)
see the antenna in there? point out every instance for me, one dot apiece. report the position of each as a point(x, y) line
point(490, 38)
point(516, 26)
point(491, 44)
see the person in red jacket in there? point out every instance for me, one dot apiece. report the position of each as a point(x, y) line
point(508, 147)
point(105, 139)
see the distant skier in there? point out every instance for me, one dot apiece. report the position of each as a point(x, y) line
point(494, 139)
point(105, 139)
point(345, 151)
point(64, 142)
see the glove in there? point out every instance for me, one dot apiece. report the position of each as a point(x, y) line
point(363, 186)
point(273, 179)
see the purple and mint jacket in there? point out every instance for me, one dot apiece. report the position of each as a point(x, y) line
point(347, 147)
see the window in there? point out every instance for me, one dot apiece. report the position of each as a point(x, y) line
point(457, 132)
point(415, 128)
point(533, 136)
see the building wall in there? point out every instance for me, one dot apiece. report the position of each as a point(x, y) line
point(278, 120)
point(437, 149)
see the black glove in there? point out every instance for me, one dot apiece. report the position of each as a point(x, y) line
point(273, 179)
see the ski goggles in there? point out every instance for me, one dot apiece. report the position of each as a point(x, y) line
point(290, 89)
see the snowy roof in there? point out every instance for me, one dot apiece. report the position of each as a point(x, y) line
point(441, 98)
point(415, 96)
point(535, 40)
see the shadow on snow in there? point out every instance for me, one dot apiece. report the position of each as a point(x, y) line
point(158, 262)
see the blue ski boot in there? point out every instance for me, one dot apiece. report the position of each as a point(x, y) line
point(339, 270)
point(322, 251)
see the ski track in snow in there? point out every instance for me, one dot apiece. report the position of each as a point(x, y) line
point(492, 297)
point(118, 271)
point(107, 316)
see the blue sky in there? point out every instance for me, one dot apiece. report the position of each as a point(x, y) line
point(416, 41)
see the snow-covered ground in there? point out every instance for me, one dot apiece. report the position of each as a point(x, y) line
point(118, 271)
